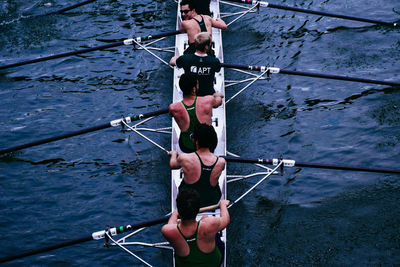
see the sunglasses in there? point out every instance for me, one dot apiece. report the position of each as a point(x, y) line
point(185, 11)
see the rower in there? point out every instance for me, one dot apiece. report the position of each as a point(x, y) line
point(192, 110)
point(193, 23)
point(200, 64)
point(201, 169)
point(194, 241)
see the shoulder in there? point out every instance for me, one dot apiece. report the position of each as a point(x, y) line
point(174, 107)
point(207, 17)
point(209, 225)
point(221, 160)
point(186, 23)
point(185, 157)
point(169, 230)
point(184, 57)
point(205, 99)
point(221, 163)
point(181, 60)
point(213, 60)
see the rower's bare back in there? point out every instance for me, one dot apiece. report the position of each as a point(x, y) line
point(191, 27)
point(192, 168)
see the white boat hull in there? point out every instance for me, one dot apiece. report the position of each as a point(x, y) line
point(218, 118)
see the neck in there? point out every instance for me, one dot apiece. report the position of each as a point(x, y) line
point(189, 97)
point(188, 222)
point(198, 52)
point(203, 150)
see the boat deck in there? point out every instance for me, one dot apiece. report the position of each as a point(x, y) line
point(218, 118)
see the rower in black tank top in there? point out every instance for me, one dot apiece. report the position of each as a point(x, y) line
point(209, 195)
point(191, 48)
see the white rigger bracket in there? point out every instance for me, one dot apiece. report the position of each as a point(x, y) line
point(118, 122)
point(132, 41)
point(286, 162)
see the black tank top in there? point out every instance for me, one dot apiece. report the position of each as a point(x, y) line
point(209, 195)
point(202, 25)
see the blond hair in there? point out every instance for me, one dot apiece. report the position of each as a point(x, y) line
point(201, 40)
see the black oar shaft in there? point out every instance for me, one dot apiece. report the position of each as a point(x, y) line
point(47, 248)
point(86, 50)
point(326, 14)
point(312, 165)
point(314, 12)
point(65, 9)
point(337, 77)
point(67, 54)
point(55, 138)
point(99, 235)
point(92, 236)
point(311, 74)
point(83, 131)
point(345, 167)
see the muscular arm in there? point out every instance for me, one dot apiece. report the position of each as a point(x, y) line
point(174, 218)
point(217, 99)
point(218, 23)
point(225, 218)
point(172, 62)
point(184, 26)
point(168, 229)
point(173, 162)
point(215, 224)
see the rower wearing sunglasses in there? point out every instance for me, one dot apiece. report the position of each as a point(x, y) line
point(193, 23)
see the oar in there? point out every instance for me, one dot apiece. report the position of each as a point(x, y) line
point(307, 74)
point(292, 163)
point(86, 50)
point(113, 123)
point(326, 14)
point(65, 9)
point(98, 235)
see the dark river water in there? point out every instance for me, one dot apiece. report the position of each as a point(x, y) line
point(71, 188)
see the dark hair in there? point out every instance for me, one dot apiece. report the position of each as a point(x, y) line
point(186, 82)
point(188, 204)
point(188, 2)
point(206, 136)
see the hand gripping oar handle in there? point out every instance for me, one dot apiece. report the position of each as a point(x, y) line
point(314, 12)
point(98, 235)
point(292, 163)
point(86, 50)
point(113, 123)
point(275, 70)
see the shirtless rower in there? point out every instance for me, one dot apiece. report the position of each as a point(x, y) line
point(194, 241)
point(192, 110)
point(193, 23)
point(202, 168)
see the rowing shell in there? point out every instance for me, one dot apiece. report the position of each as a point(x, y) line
point(218, 118)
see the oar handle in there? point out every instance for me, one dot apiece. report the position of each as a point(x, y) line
point(209, 208)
